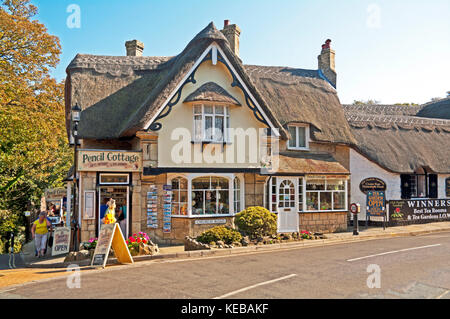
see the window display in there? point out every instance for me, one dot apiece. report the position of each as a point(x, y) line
point(210, 196)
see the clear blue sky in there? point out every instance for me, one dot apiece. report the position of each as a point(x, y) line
point(391, 51)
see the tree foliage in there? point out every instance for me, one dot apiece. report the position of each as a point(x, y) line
point(34, 154)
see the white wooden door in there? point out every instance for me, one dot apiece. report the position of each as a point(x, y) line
point(287, 200)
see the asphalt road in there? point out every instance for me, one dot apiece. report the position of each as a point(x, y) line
point(410, 267)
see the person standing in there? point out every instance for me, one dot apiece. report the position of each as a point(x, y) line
point(39, 231)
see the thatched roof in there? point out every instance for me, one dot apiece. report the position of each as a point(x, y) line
point(402, 143)
point(120, 95)
point(439, 109)
point(299, 95)
point(291, 162)
point(211, 92)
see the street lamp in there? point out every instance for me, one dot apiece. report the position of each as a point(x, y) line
point(76, 115)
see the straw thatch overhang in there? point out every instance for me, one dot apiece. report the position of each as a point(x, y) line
point(438, 109)
point(120, 95)
point(402, 143)
point(302, 163)
point(299, 95)
point(211, 92)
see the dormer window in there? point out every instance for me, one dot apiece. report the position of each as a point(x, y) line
point(211, 123)
point(299, 137)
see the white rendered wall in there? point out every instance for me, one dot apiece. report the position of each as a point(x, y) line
point(361, 168)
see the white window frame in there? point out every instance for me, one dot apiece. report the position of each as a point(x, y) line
point(326, 191)
point(228, 176)
point(226, 122)
point(297, 147)
point(301, 182)
point(178, 199)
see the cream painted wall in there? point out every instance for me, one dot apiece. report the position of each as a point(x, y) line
point(361, 168)
point(182, 117)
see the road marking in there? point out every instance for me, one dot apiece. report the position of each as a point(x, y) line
point(254, 286)
point(392, 252)
point(443, 294)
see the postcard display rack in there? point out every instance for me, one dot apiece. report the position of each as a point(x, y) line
point(167, 208)
point(152, 210)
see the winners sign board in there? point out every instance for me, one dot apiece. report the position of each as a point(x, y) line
point(111, 236)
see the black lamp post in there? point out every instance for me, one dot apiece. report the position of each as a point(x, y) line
point(76, 114)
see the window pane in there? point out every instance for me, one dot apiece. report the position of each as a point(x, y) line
point(335, 184)
point(208, 109)
point(219, 109)
point(301, 137)
point(293, 139)
point(315, 184)
point(197, 202)
point(201, 183)
point(198, 128)
point(339, 200)
point(198, 109)
point(325, 201)
point(218, 136)
point(210, 202)
point(223, 202)
point(312, 201)
point(208, 128)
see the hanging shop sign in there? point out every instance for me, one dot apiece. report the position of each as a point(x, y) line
point(61, 241)
point(111, 236)
point(418, 211)
point(376, 203)
point(53, 194)
point(111, 161)
point(372, 184)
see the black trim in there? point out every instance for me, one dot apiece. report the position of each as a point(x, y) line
point(148, 171)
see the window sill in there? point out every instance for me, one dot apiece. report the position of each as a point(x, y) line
point(212, 142)
point(298, 148)
point(324, 211)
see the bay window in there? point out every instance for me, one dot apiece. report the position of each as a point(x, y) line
point(211, 123)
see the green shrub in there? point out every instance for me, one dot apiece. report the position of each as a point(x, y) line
point(256, 222)
point(220, 233)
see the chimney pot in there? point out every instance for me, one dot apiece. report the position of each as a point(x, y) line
point(225, 23)
point(134, 48)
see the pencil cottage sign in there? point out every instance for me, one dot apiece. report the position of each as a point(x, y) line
point(112, 161)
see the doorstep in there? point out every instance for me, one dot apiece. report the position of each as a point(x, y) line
point(330, 239)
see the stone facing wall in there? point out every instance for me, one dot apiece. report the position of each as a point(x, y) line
point(323, 222)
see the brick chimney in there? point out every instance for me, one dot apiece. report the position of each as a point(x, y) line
point(232, 33)
point(134, 48)
point(326, 62)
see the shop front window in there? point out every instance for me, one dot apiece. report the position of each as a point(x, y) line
point(179, 196)
point(210, 196)
point(324, 194)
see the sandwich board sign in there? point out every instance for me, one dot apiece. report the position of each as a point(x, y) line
point(111, 236)
point(61, 241)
